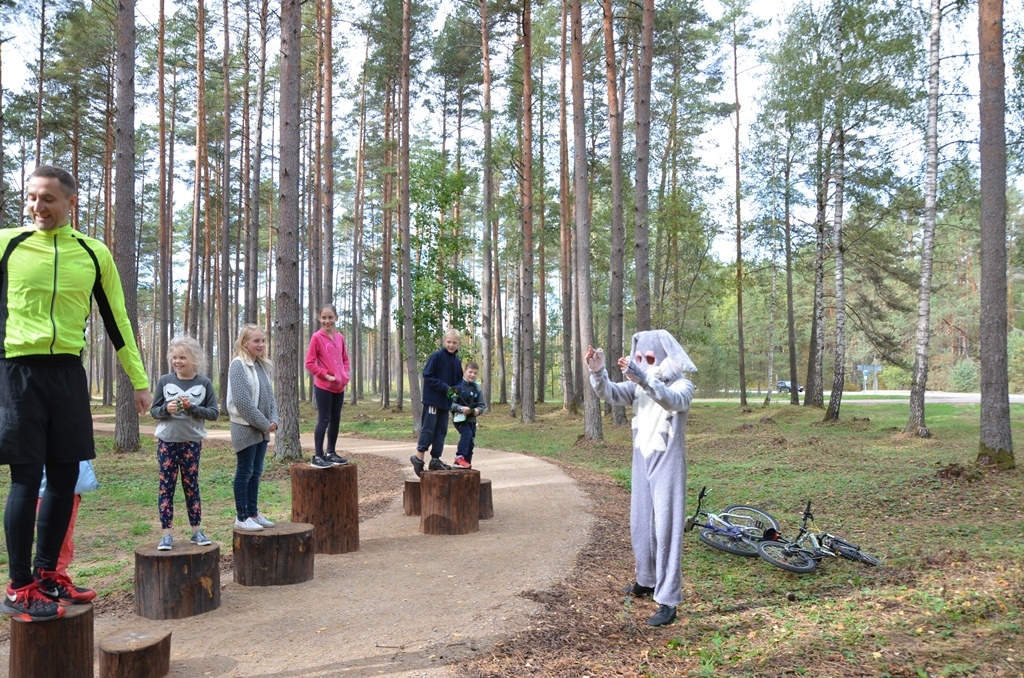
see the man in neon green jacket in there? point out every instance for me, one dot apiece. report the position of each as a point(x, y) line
point(49, 276)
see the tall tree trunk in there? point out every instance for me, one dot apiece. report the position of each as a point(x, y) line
point(591, 404)
point(996, 445)
point(739, 221)
point(815, 393)
point(839, 366)
point(409, 332)
point(542, 274)
point(327, 296)
point(641, 238)
point(223, 335)
point(126, 429)
point(915, 419)
point(526, 296)
point(256, 173)
point(386, 246)
point(565, 254)
point(193, 293)
point(163, 269)
point(356, 350)
point(41, 79)
point(617, 265)
point(794, 391)
point(487, 243)
point(288, 312)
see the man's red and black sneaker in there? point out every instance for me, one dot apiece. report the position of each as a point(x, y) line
point(29, 604)
point(461, 462)
point(58, 587)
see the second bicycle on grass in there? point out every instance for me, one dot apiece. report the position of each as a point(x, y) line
point(809, 548)
point(737, 530)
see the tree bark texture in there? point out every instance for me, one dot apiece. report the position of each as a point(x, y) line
point(996, 444)
point(136, 653)
point(275, 556)
point(289, 314)
point(328, 499)
point(126, 430)
point(176, 584)
point(59, 647)
point(450, 502)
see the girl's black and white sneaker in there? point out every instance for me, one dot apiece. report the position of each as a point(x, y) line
point(335, 459)
point(320, 462)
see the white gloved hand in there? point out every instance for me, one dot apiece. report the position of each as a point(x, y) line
point(594, 359)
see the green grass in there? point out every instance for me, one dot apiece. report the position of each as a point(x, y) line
point(947, 602)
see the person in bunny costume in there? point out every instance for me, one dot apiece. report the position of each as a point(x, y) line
point(660, 393)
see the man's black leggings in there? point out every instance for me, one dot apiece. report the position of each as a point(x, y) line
point(54, 515)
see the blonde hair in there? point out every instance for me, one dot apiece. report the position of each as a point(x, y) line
point(242, 352)
point(452, 332)
point(192, 350)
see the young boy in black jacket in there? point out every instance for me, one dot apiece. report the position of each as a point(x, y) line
point(468, 405)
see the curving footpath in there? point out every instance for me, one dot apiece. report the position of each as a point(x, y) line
point(405, 604)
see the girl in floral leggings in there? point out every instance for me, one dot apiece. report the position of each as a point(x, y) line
point(184, 400)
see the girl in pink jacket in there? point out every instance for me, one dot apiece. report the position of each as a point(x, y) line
point(327, 361)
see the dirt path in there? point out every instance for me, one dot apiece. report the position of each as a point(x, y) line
point(405, 604)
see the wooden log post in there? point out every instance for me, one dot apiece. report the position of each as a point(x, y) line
point(450, 502)
point(274, 556)
point(179, 583)
point(411, 497)
point(59, 647)
point(486, 501)
point(135, 653)
point(328, 499)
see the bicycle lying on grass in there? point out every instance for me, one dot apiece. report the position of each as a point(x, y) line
point(737, 530)
point(809, 548)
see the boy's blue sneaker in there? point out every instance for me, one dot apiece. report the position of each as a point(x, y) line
point(437, 465)
point(417, 465)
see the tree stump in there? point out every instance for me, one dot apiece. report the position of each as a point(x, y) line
point(274, 556)
point(328, 499)
point(136, 653)
point(450, 502)
point(411, 500)
point(59, 647)
point(179, 583)
point(486, 501)
point(413, 504)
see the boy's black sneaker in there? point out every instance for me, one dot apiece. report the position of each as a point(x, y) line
point(335, 459)
point(638, 591)
point(417, 465)
point(320, 462)
point(29, 604)
point(437, 465)
point(666, 614)
point(58, 588)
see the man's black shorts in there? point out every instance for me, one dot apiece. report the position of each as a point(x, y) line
point(44, 411)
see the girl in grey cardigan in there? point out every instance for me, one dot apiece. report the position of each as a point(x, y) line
point(253, 413)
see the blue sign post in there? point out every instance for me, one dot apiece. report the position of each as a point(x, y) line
point(868, 370)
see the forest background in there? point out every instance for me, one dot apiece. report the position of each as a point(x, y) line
point(539, 175)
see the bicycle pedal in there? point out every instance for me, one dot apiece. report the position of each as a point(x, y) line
point(689, 525)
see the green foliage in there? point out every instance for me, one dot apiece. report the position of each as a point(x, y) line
point(444, 293)
point(963, 377)
point(895, 378)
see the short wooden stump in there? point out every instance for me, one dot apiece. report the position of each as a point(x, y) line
point(179, 583)
point(328, 499)
point(450, 502)
point(274, 556)
point(412, 498)
point(59, 647)
point(135, 653)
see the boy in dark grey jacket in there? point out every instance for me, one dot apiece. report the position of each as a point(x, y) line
point(467, 406)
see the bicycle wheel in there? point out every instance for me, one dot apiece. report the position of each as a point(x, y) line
point(738, 546)
point(851, 552)
point(753, 521)
point(787, 556)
